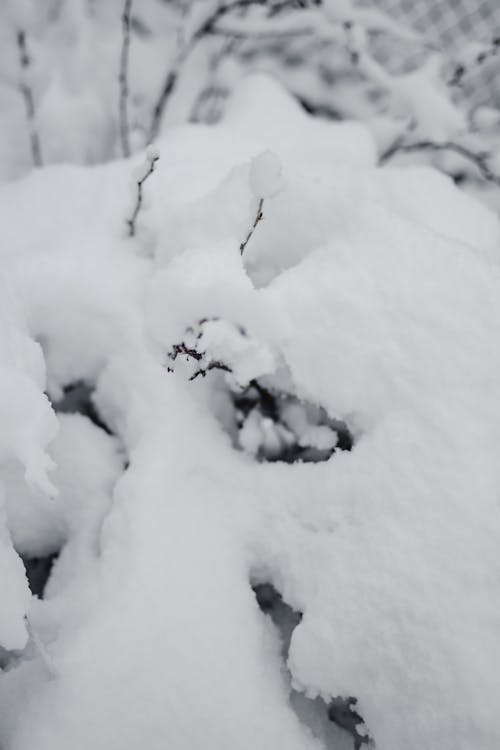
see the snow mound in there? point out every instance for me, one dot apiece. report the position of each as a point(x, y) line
point(356, 295)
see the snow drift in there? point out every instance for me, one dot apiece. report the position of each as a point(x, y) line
point(369, 296)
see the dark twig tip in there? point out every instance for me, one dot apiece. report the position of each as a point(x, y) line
point(258, 217)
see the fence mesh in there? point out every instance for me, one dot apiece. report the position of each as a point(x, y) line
point(450, 24)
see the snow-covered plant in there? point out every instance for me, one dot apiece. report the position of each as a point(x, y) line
point(291, 539)
point(261, 459)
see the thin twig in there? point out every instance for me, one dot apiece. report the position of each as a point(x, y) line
point(258, 217)
point(29, 100)
point(168, 87)
point(478, 158)
point(215, 364)
point(123, 79)
point(131, 222)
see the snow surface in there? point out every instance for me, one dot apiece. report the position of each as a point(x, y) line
point(372, 293)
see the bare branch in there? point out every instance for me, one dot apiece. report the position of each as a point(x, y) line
point(206, 27)
point(131, 222)
point(123, 79)
point(167, 89)
point(480, 159)
point(227, 7)
point(215, 364)
point(29, 100)
point(266, 29)
point(183, 348)
point(258, 217)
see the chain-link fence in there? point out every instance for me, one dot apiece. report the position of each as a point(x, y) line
point(450, 24)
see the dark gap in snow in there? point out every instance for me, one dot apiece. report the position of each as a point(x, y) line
point(319, 110)
point(263, 420)
point(38, 570)
point(282, 614)
point(336, 723)
point(77, 399)
point(277, 426)
point(343, 712)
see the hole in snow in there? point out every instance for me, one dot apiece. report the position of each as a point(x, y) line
point(277, 426)
point(337, 724)
point(38, 570)
point(77, 399)
point(283, 616)
point(343, 712)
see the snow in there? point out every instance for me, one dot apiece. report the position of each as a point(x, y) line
point(366, 296)
point(28, 425)
point(247, 358)
point(265, 175)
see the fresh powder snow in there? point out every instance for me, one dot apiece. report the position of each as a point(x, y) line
point(359, 328)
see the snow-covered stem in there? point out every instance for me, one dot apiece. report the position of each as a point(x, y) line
point(123, 79)
point(480, 159)
point(29, 99)
point(258, 217)
point(132, 221)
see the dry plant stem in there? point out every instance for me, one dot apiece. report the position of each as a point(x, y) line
point(259, 216)
point(131, 222)
point(167, 89)
point(123, 79)
point(479, 159)
point(29, 101)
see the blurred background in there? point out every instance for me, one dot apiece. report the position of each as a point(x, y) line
point(453, 24)
point(86, 81)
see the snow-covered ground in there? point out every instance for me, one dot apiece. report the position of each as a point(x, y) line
point(365, 302)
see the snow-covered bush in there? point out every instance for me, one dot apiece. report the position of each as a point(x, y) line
point(249, 381)
point(278, 522)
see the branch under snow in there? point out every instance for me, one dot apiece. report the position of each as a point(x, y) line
point(123, 79)
point(29, 100)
